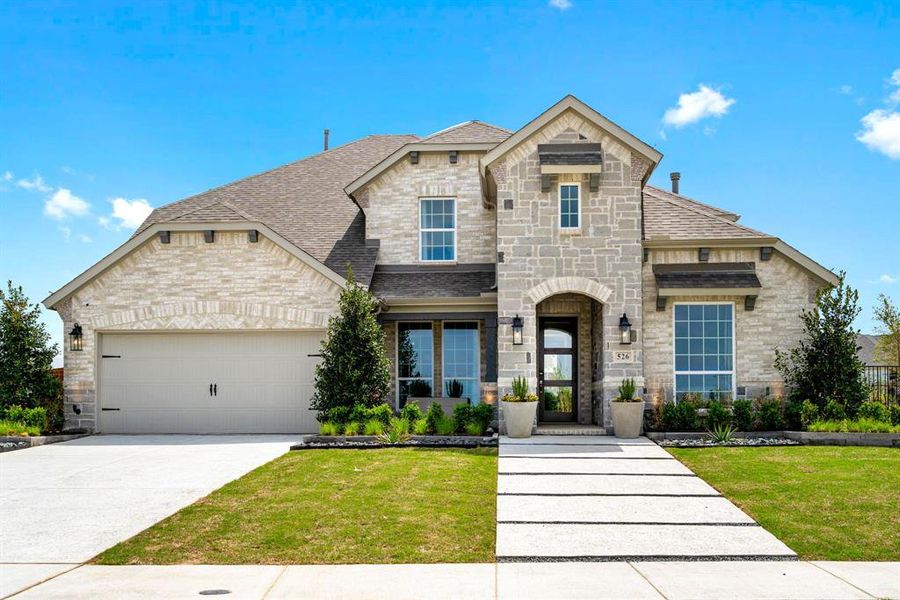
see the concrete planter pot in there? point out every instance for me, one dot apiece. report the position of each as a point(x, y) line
point(627, 418)
point(519, 418)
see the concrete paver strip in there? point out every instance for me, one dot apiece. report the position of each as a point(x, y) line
point(745, 580)
point(575, 440)
point(881, 580)
point(638, 466)
point(398, 582)
point(619, 509)
point(573, 581)
point(627, 542)
point(604, 484)
point(624, 452)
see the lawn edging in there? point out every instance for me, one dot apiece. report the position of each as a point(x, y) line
point(807, 438)
point(16, 442)
point(317, 442)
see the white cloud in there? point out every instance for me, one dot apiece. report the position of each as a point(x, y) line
point(67, 233)
point(888, 279)
point(63, 203)
point(105, 222)
point(705, 102)
point(36, 184)
point(85, 238)
point(8, 176)
point(560, 4)
point(881, 132)
point(895, 77)
point(130, 213)
point(846, 90)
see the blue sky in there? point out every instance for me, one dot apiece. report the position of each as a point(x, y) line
point(784, 113)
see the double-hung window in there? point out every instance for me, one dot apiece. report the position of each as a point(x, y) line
point(704, 351)
point(462, 360)
point(437, 229)
point(569, 206)
point(415, 361)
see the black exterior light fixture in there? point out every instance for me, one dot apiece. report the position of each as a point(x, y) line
point(517, 325)
point(625, 328)
point(76, 339)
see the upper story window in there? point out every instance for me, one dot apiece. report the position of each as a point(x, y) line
point(704, 351)
point(437, 229)
point(569, 206)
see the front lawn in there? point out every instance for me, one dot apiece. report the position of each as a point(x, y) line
point(335, 506)
point(825, 502)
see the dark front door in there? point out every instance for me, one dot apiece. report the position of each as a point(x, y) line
point(557, 366)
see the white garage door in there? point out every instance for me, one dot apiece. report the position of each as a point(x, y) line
point(208, 382)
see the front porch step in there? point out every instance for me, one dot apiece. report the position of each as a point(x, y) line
point(569, 429)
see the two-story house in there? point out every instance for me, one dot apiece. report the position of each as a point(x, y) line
point(540, 253)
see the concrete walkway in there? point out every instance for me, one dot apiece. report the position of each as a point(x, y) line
point(756, 580)
point(595, 498)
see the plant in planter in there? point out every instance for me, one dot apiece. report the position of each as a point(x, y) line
point(519, 409)
point(627, 411)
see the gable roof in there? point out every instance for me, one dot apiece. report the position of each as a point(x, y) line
point(302, 201)
point(671, 217)
point(469, 132)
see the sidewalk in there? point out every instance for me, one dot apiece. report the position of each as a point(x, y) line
point(740, 580)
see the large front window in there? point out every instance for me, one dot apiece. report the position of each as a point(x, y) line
point(462, 361)
point(415, 361)
point(704, 351)
point(437, 229)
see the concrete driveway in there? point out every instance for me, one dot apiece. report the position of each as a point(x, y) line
point(65, 503)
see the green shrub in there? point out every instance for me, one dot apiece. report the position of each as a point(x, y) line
point(329, 428)
point(420, 427)
point(717, 414)
point(520, 387)
point(373, 427)
point(351, 428)
point(833, 411)
point(680, 416)
point(445, 426)
point(335, 414)
point(626, 389)
point(768, 414)
point(30, 417)
point(435, 413)
point(854, 426)
point(474, 428)
point(792, 414)
point(381, 412)
point(411, 412)
point(875, 411)
point(742, 414)
point(463, 414)
point(895, 414)
point(8, 427)
point(359, 413)
point(395, 434)
point(809, 413)
point(483, 414)
point(401, 425)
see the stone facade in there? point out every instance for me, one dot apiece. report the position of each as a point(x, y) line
point(392, 208)
point(602, 260)
point(190, 285)
point(787, 289)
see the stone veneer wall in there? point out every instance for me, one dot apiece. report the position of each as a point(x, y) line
point(786, 290)
point(604, 255)
point(575, 305)
point(189, 285)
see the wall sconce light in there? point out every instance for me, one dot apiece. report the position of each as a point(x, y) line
point(76, 339)
point(625, 328)
point(517, 325)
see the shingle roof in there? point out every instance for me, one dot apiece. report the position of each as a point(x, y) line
point(570, 154)
point(303, 201)
point(409, 281)
point(711, 275)
point(469, 132)
point(672, 217)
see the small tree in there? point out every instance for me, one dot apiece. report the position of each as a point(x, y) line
point(355, 367)
point(825, 365)
point(26, 357)
point(887, 348)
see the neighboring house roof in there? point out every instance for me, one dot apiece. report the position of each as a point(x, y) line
point(866, 352)
point(415, 281)
point(469, 132)
point(303, 201)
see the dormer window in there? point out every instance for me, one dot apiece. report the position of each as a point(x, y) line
point(437, 229)
point(569, 206)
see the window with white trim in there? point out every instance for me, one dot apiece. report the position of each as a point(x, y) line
point(462, 360)
point(415, 361)
point(704, 351)
point(569, 206)
point(437, 229)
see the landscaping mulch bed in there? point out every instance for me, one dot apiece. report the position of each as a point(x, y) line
point(319, 442)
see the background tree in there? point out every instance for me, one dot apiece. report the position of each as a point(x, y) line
point(355, 367)
point(26, 357)
point(825, 364)
point(887, 348)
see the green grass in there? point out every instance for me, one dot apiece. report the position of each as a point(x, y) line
point(855, 426)
point(825, 502)
point(8, 427)
point(397, 505)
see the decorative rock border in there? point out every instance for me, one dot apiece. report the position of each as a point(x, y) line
point(316, 442)
point(15, 442)
point(806, 438)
